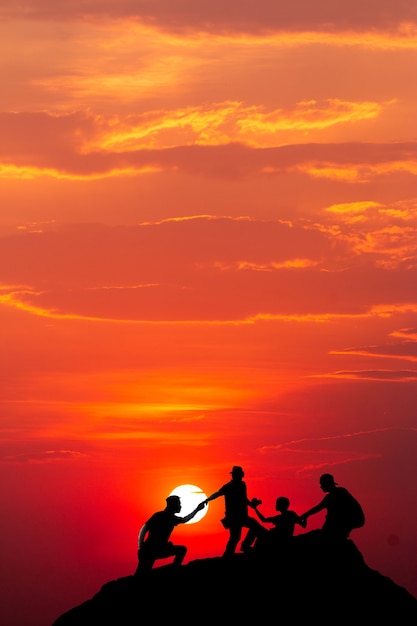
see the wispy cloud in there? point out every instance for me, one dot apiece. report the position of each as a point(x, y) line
point(85, 145)
point(263, 18)
point(47, 456)
point(396, 350)
point(346, 460)
point(405, 333)
point(305, 442)
point(395, 375)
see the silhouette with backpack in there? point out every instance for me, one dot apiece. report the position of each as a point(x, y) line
point(344, 513)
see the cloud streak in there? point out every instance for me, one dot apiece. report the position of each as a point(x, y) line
point(81, 145)
point(399, 350)
point(394, 375)
point(207, 268)
point(338, 437)
point(45, 457)
point(210, 16)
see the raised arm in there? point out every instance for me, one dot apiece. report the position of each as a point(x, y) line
point(187, 518)
point(313, 511)
point(213, 496)
point(302, 521)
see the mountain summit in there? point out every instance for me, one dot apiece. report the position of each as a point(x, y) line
point(309, 579)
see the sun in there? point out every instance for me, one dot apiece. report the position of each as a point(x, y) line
point(190, 497)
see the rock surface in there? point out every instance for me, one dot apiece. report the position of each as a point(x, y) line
point(310, 580)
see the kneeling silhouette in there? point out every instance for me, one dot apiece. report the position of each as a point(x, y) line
point(154, 535)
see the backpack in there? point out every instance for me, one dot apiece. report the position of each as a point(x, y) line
point(354, 512)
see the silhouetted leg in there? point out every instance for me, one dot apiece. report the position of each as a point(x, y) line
point(263, 542)
point(170, 549)
point(234, 537)
point(255, 530)
point(147, 559)
point(180, 552)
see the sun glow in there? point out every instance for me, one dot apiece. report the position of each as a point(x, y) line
point(190, 497)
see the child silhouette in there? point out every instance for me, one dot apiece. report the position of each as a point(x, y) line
point(284, 524)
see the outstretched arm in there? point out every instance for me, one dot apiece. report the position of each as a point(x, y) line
point(313, 511)
point(213, 496)
point(187, 518)
point(302, 521)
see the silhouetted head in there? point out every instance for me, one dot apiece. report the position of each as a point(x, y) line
point(282, 504)
point(173, 504)
point(237, 472)
point(327, 482)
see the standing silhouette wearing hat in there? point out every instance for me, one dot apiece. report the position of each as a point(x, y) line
point(236, 512)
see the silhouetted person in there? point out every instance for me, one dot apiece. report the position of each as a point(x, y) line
point(236, 512)
point(344, 512)
point(153, 541)
point(284, 524)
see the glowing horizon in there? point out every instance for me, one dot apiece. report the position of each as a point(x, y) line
point(209, 258)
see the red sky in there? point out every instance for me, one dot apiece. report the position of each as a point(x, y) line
point(208, 257)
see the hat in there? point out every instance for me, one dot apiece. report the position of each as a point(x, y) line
point(236, 469)
point(327, 478)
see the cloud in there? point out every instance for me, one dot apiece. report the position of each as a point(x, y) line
point(397, 350)
point(230, 121)
point(319, 453)
point(205, 268)
point(151, 438)
point(148, 256)
point(47, 456)
point(329, 463)
point(213, 15)
point(81, 145)
point(401, 375)
point(314, 440)
point(405, 332)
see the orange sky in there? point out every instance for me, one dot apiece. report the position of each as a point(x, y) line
point(208, 257)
